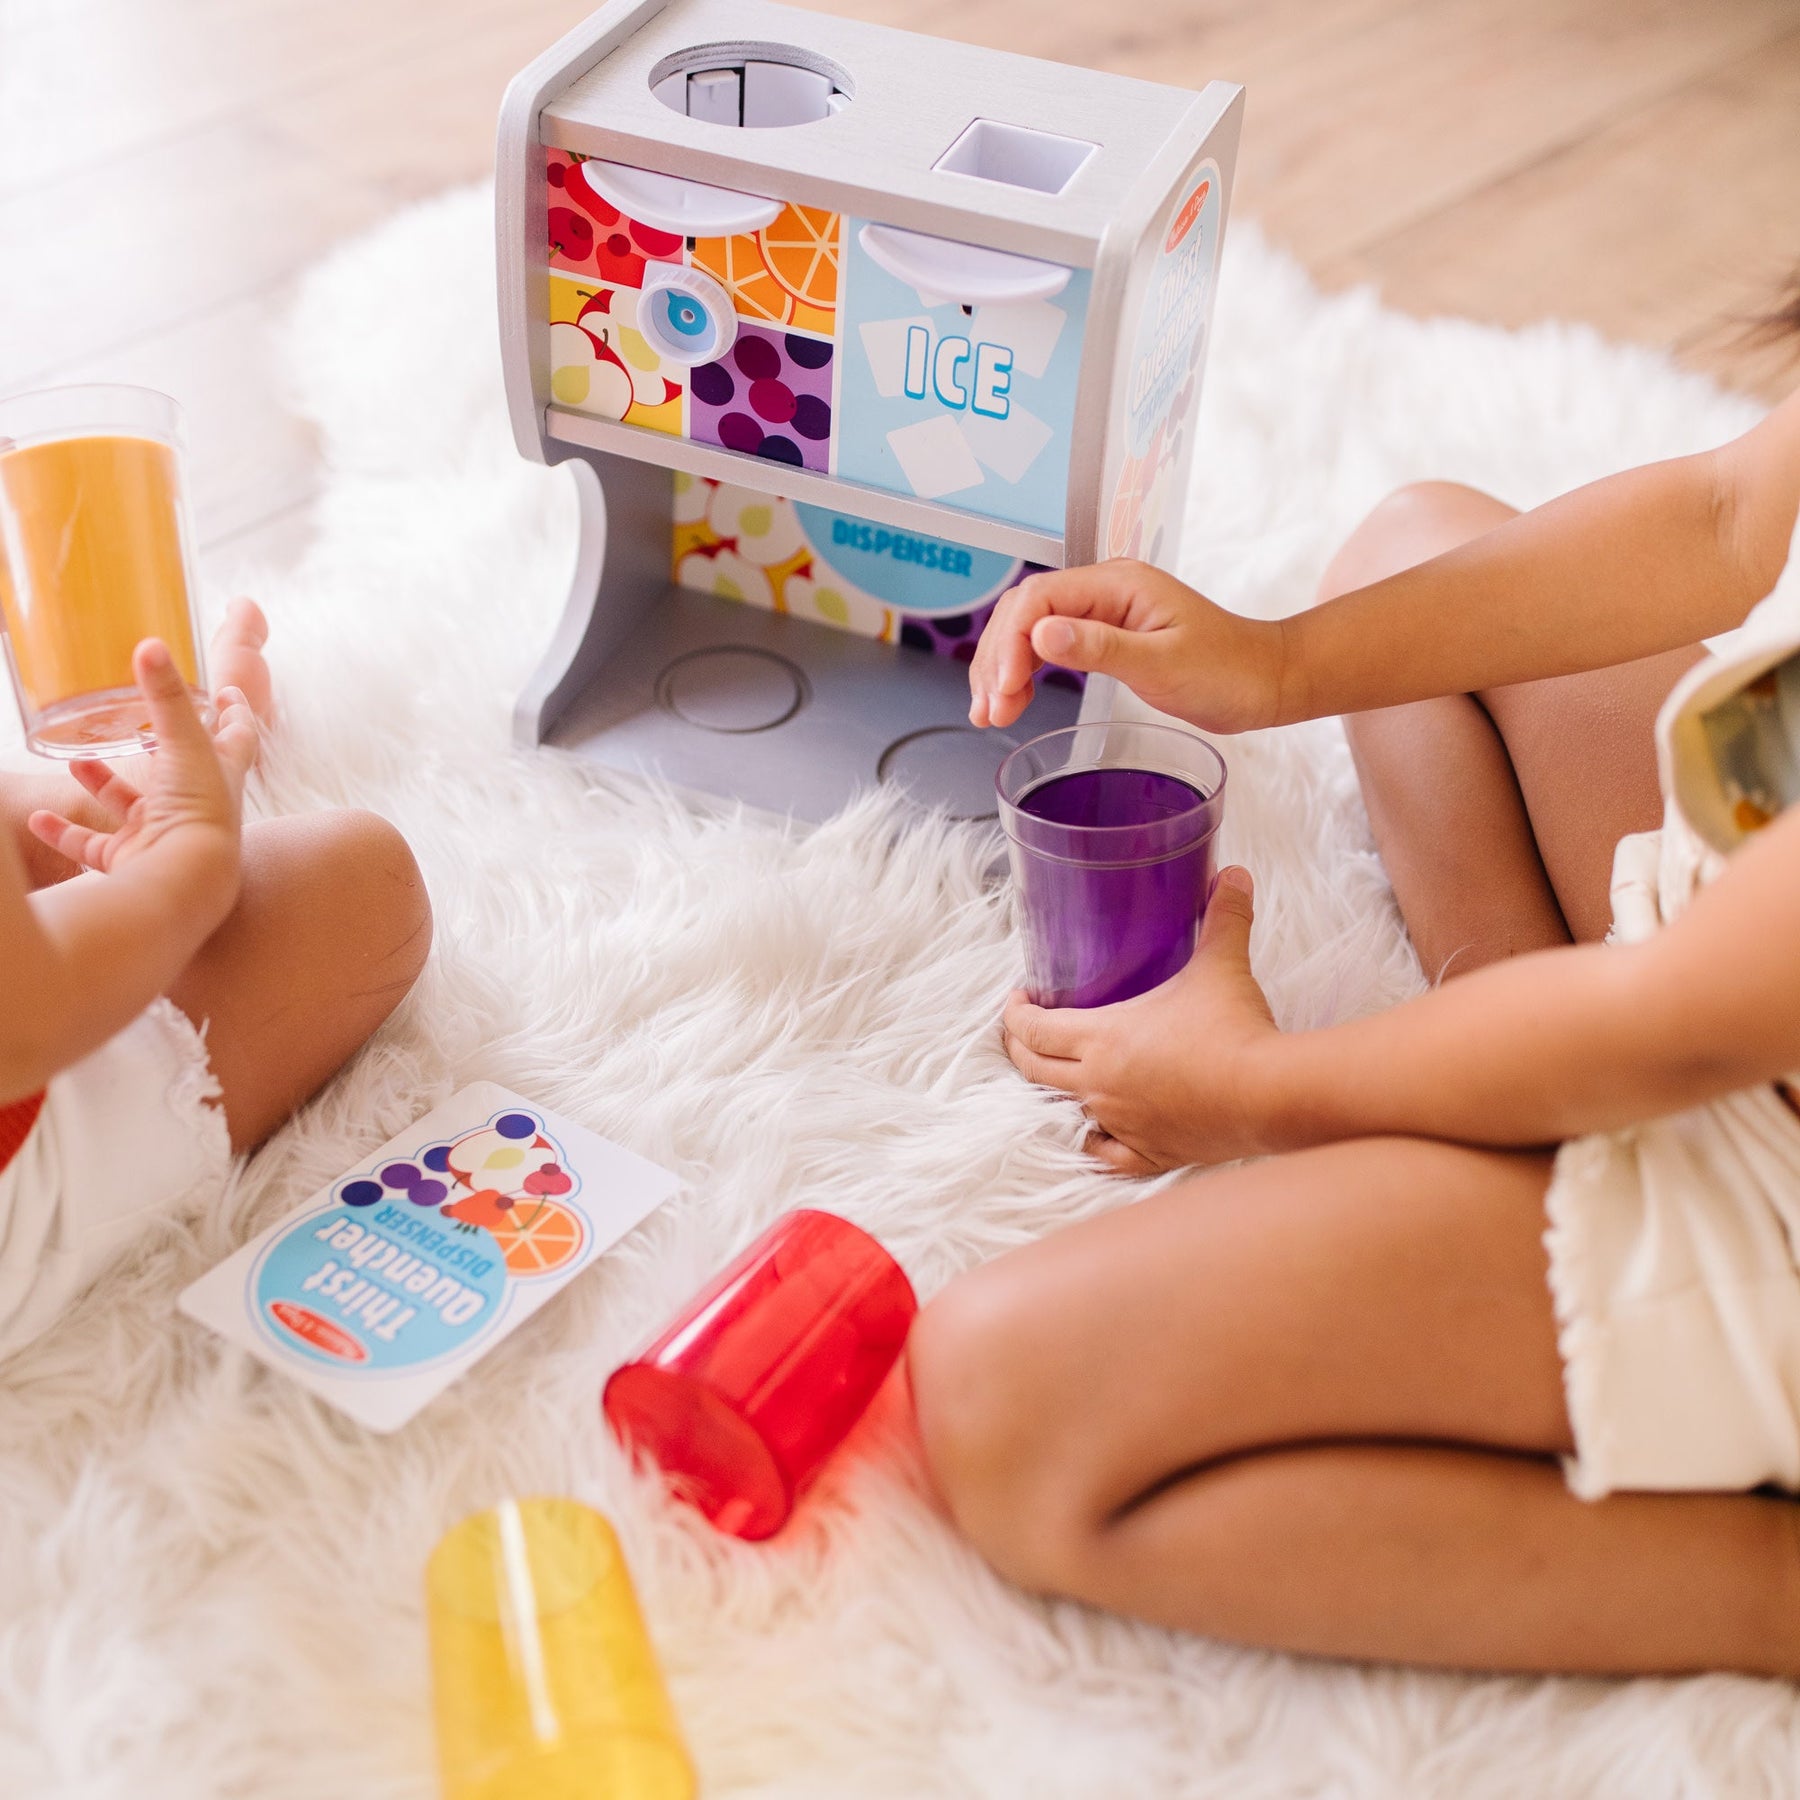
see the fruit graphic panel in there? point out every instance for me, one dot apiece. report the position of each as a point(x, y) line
point(601, 363)
point(785, 274)
point(743, 545)
point(590, 236)
point(926, 593)
point(769, 396)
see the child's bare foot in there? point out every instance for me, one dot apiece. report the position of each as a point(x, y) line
point(236, 658)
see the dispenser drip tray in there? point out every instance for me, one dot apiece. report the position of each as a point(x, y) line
point(785, 714)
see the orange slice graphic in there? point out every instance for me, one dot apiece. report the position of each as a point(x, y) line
point(537, 1237)
point(801, 250)
point(737, 262)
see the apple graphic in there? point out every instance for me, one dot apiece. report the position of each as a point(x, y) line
point(571, 235)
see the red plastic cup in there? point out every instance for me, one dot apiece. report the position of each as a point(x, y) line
point(745, 1396)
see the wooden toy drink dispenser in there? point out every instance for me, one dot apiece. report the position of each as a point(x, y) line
point(843, 331)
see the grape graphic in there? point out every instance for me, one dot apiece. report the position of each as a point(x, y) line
point(399, 1180)
point(770, 397)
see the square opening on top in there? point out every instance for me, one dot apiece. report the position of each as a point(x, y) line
point(1016, 155)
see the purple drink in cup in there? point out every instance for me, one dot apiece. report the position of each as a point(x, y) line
point(1112, 828)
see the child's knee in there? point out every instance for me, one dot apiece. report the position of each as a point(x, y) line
point(988, 1414)
point(1410, 526)
point(376, 878)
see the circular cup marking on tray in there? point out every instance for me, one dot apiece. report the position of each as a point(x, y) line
point(952, 766)
point(732, 688)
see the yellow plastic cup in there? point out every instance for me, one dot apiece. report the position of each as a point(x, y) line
point(544, 1681)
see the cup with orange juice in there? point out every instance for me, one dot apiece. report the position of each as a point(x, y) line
point(96, 554)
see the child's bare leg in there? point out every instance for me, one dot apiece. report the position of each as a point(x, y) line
point(1311, 1403)
point(1496, 813)
point(1461, 1559)
point(330, 930)
point(1584, 750)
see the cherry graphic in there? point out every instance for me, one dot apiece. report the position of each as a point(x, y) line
point(547, 1181)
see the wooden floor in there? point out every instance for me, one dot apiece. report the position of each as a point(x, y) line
point(167, 166)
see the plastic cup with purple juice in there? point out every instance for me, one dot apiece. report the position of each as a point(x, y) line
point(1112, 828)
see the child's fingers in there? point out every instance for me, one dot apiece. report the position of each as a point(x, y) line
point(1049, 1033)
point(1230, 912)
point(1118, 1156)
point(1097, 648)
point(995, 675)
point(1046, 1071)
point(172, 716)
point(245, 623)
point(236, 735)
point(88, 849)
point(1029, 628)
point(111, 789)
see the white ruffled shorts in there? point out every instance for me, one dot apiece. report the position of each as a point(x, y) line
point(1675, 1267)
point(125, 1136)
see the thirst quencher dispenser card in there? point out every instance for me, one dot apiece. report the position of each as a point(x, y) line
point(388, 1284)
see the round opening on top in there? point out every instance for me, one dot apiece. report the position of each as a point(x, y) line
point(759, 85)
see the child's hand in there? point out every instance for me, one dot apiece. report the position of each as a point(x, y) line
point(1171, 646)
point(189, 813)
point(1166, 1077)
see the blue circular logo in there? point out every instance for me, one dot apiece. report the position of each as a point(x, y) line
point(348, 1288)
point(686, 315)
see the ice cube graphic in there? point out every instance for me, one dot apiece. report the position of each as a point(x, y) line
point(1008, 446)
point(1029, 329)
point(934, 458)
point(884, 343)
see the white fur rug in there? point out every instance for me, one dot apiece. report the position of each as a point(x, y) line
point(210, 1585)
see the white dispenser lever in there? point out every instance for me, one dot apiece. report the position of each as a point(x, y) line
point(685, 208)
point(941, 271)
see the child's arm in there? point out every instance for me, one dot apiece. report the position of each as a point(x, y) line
point(1528, 1051)
point(1640, 562)
point(1565, 1042)
point(80, 960)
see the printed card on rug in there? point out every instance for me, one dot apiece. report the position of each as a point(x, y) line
point(386, 1285)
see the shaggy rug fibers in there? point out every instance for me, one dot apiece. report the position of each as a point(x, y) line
point(210, 1584)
